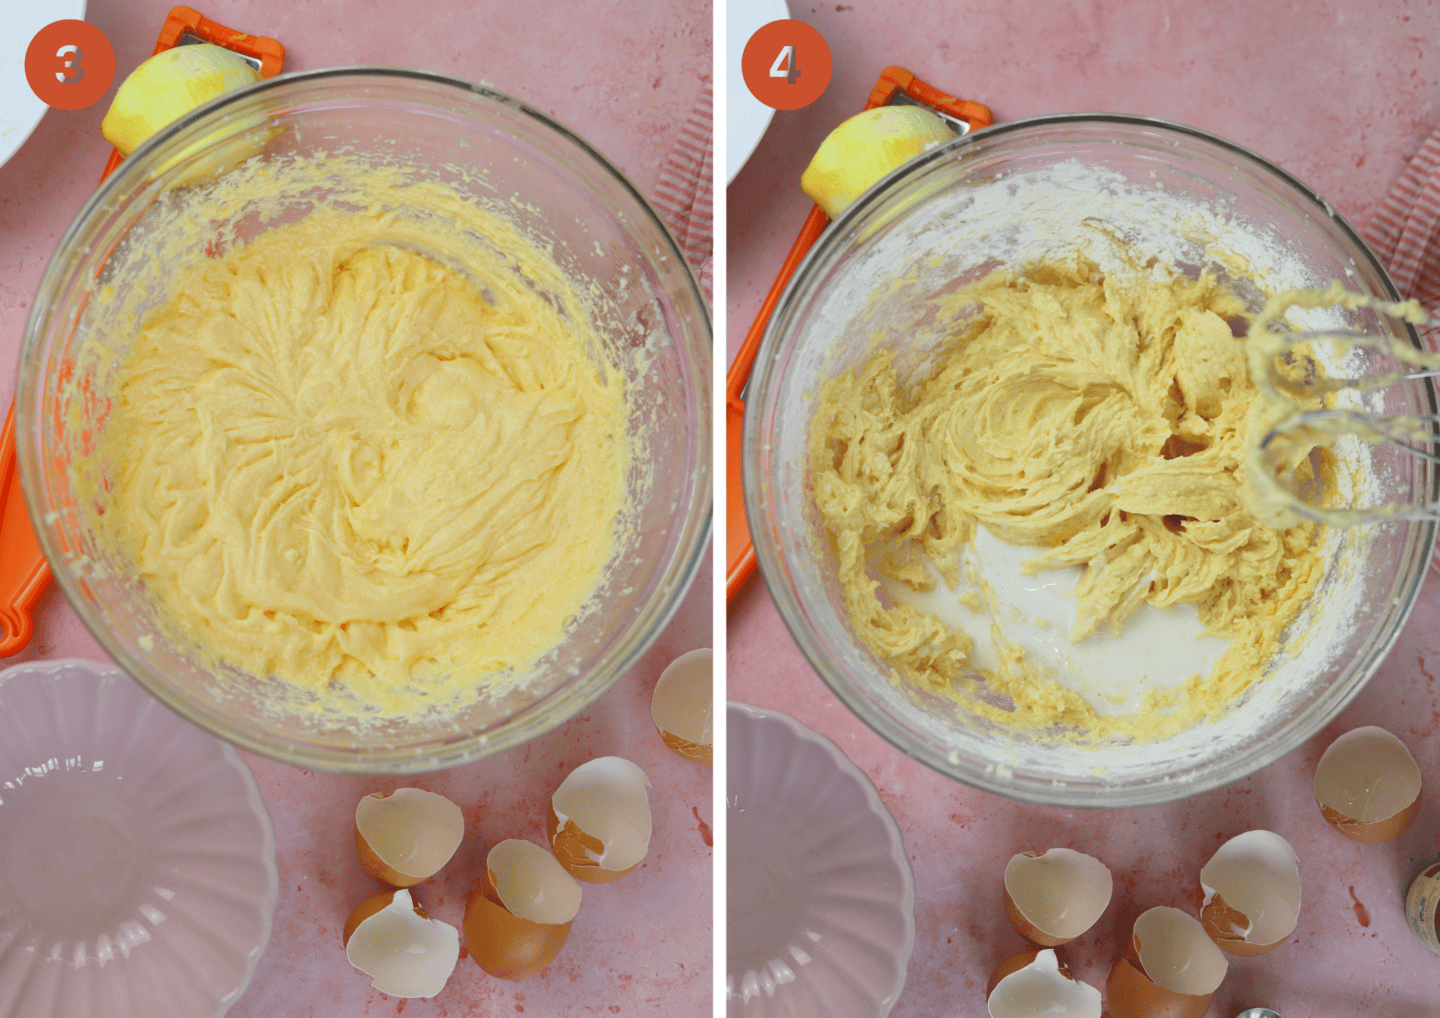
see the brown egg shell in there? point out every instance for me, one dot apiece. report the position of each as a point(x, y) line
point(1076, 893)
point(1257, 862)
point(1014, 964)
point(571, 846)
point(1027, 929)
point(1357, 752)
point(1130, 993)
point(504, 945)
point(1376, 833)
point(376, 867)
point(1226, 926)
point(680, 704)
point(370, 906)
point(693, 751)
point(372, 861)
point(1181, 947)
point(1027, 1001)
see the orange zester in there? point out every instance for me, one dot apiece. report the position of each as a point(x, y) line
point(23, 569)
point(896, 86)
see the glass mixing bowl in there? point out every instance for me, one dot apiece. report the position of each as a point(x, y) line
point(557, 189)
point(1005, 196)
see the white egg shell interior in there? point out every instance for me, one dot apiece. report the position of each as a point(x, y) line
point(1257, 873)
point(681, 703)
point(1177, 954)
point(1061, 891)
point(532, 884)
point(606, 798)
point(1367, 774)
point(404, 955)
point(1041, 989)
point(412, 830)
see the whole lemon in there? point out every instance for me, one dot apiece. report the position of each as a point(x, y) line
point(169, 85)
point(866, 147)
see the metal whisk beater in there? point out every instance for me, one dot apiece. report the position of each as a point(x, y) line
point(1308, 409)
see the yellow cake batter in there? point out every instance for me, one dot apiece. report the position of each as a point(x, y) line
point(1102, 419)
point(388, 481)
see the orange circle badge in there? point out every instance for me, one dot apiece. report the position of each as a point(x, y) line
point(69, 64)
point(786, 64)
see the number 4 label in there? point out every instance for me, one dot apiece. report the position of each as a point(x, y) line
point(791, 71)
point(771, 64)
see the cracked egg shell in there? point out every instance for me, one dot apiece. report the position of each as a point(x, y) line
point(681, 705)
point(519, 915)
point(1038, 983)
point(403, 951)
point(1171, 969)
point(599, 820)
point(1014, 963)
point(406, 836)
point(1368, 786)
point(1252, 893)
point(1055, 896)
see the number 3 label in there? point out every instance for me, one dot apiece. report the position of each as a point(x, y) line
point(773, 61)
point(69, 64)
point(72, 55)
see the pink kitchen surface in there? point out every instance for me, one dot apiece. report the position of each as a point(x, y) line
point(625, 76)
point(1339, 94)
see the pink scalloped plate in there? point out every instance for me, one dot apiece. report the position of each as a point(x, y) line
point(821, 911)
point(137, 862)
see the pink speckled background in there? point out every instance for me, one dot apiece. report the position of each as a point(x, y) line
point(1339, 93)
point(625, 75)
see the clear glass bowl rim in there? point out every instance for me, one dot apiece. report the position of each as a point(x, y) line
point(403, 761)
point(820, 257)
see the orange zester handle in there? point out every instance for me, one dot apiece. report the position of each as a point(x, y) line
point(23, 569)
point(896, 79)
point(739, 549)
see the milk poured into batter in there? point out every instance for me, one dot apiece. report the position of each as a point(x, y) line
point(1007, 613)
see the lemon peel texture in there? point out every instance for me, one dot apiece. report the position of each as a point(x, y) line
point(865, 148)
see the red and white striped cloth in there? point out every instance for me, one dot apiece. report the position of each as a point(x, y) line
point(1406, 237)
point(683, 194)
point(1406, 231)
